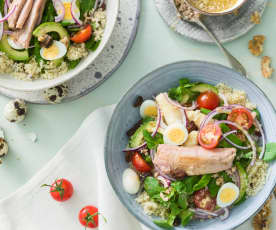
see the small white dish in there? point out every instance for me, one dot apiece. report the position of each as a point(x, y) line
point(9, 82)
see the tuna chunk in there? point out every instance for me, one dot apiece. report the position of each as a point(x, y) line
point(179, 161)
point(23, 36)
point(13, 18)
point(24, 14)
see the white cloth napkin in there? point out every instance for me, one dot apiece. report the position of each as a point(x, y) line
point(81, 161)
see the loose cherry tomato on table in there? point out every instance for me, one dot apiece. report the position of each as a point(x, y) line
point(61, 190)
point(83, 35)
point(88, 216)
point(209, 136)
point(241, 116)
point(139, 163)
point(203, 200)
point(208, 100)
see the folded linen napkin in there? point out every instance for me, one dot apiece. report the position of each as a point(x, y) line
point(81, 160)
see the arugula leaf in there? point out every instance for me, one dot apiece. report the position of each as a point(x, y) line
point(183, 92)
point(182, 201)
point(153, 142)
point(213, 187)
point(152, 186)
point(92, 44)
point(162, 223)
point(186, 185)
point(205, 111)
point(204, 181)
point(36, 51)
point(72, 64)
point(85, 6)
point(186, 217)
point(270, 152)
point(226, 177)
point(49, 12)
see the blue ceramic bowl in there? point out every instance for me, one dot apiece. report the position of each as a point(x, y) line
point(160, 80)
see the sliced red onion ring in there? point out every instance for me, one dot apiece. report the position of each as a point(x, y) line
point(184, 117)
point(152, 154)
point(135, 148)
point(237, 178)
point(164, 181)
point(247, 136)
point(202, 211)
point(2, 19)
point(259, 126)
point(8, 32)
point(224, 136)
point(60, 10)
point(165, 176)
point(74, 10)
point(204, 214)
point(225, 215)
point(178, 105)
point(223, 97)
point(96, 4)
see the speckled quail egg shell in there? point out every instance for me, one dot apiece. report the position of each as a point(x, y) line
point(4, 148)
point(148, 109)
point(131, 181)
point(56, 51)
point(227, 195)
point(56, 94)
point(15, 110)
point(14, 45)
point(175, 134)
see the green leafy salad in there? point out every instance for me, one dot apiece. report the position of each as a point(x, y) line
point(196, 153)
point(47, 38)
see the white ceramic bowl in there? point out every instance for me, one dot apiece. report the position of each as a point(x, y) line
point(7, 81)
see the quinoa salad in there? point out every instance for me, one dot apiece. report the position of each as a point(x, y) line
point(198, 151)
point(43, 39)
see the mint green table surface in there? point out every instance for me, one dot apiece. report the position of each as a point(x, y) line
point(155, 45)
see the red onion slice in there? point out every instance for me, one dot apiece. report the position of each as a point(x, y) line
point(152, 154)
point(204, 212)
point(75, 12)
point(2, 19)
point(8, 32)
point(184, 117)
point(224, 136)
point(249, 138)
point(60, 10)
point(225, 215)
point(135, 148)
point(164, 181)
point(259, 126)
point(178, 105)
point(237, 178)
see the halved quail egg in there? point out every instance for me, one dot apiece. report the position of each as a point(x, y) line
point(56, 51)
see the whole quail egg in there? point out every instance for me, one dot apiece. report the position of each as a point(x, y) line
point(15, 110)
point(56, 94)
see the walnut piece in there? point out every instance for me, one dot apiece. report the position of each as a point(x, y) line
point(263, 219)
point(256, 45)
point(267, 70)
point(255, 17)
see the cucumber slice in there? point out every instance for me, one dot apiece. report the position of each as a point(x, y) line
point(203, 87)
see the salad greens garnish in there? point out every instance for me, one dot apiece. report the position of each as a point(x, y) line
point(204, 181)
point(153, 142)
point(49, 12)
point(73, 64)
point(270, 153)
point(179, 93)
point(152, 186)
point(92, 44)
point(2, 3)
point(86, 5)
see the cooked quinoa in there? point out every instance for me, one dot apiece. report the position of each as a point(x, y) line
point(256, 177)
point(235, 96)
point(99, 22)
point(150, 207)
point(214, 5)
point(263, 219)
point(77, 51)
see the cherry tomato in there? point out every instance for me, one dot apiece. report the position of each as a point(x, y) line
point(83, 35)
point(242, 117)
point(208, 100)
point(61, 190)
point(88, 216)
point(209, 136)
point(139, 163)
point(203, 200)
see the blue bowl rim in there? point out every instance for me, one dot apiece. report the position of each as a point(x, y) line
point(130, 89)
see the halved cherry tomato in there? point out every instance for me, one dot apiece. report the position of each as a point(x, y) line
point(203, 200)
point(209, 136)
point(242, 117)
point(139, 163)
point(83, 35)
point(61, 190)
point(89, 216)
point(208, 100)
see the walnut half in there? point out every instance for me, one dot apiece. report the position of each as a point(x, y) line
point(256, 45)
point(267, 70)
